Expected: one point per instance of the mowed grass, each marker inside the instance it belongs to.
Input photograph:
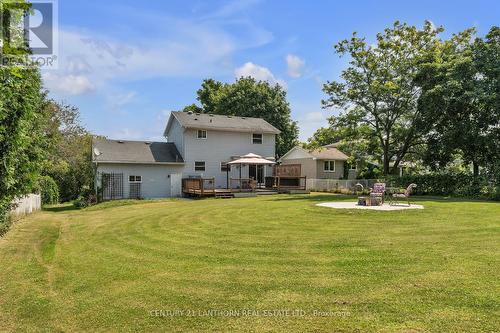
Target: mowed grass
(241, 264)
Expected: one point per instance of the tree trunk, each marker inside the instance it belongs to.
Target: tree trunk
(475, 169)
(386, 160)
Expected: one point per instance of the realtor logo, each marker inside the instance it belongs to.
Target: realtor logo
(29, 33)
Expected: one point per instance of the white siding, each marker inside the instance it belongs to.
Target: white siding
(219, 147)
(176, 135)
(296, 153)
(155, 178)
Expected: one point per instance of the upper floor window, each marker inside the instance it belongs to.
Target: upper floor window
(134, 179)
(257, 139)
(199, 166)
(202, 134)
(329, 166)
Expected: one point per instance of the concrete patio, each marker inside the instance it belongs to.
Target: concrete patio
(354, 205)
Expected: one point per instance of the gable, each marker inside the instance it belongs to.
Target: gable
(296, 153)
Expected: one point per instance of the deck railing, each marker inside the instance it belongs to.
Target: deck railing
(242, 184)
(290, 183)
(198, 186)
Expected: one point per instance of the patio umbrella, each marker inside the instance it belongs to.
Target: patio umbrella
(251, 159)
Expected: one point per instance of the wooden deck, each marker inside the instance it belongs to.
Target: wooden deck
(205, 187)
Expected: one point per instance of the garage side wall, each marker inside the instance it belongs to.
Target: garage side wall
(155, 178)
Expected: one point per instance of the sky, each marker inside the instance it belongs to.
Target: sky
(127, 64)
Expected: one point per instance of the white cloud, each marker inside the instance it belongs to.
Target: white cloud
(178, 48)
(127, 134)
(310, 121)
(259, 73)
(295, 65)
(119, 100)
(67, 84)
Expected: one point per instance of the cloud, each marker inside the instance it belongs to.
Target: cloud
(194, 47)
(259, 73)
(127, 134)
(116, 101)
(233, 7)
(295, 65)
(67, 84)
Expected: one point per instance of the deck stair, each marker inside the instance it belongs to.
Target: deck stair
(223, 194)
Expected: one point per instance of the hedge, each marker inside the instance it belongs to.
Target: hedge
(452, 184)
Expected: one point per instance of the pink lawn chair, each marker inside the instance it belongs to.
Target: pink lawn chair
(378, 191)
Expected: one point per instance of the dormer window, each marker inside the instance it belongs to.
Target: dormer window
(257, 139)
(202, 135)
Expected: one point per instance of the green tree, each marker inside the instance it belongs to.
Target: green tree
(68, 162)
(378, 94)
(250, 98)
(22, 121)
(460, 89)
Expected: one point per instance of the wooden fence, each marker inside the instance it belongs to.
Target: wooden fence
(27, 204)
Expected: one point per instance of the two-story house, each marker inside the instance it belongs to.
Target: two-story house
(198, 145)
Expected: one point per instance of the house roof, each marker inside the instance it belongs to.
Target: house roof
(137, 152)
(322, 153)
(328, 153)
(221, 122)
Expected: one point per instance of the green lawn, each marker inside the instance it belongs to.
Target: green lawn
(240, 264)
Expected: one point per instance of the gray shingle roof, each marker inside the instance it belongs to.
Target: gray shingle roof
(224, 123)
(328, 153)
(142, 152)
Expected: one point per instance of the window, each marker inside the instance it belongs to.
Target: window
(202, 134)
(329, 166)
(352, 166)
(134, 179)
(224, 167)
(199, 166)
(257, 139)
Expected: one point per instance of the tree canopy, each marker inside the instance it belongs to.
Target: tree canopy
(378, 94)
(22, 140)
(248, 97)
(460, 98)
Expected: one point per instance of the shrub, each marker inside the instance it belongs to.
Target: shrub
(456, 184)
(85, 199)
(48, 190)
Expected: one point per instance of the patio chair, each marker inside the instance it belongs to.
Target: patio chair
(405, 195)
(378, 191)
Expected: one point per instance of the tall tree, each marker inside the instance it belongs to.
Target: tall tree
(22, 120)
(250, 98)
(460, 98)
(68, 162)
(378, 93)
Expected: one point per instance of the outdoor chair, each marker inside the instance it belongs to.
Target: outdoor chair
(405, 195)
(378, 191)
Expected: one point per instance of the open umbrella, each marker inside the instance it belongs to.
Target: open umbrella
(251, 159)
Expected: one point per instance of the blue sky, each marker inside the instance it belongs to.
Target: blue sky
(127, 64)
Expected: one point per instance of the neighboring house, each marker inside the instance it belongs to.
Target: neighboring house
(198, 145)
(326, 162)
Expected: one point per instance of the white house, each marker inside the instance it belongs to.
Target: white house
(198, 145)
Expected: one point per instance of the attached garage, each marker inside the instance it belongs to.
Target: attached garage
(136, 169)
